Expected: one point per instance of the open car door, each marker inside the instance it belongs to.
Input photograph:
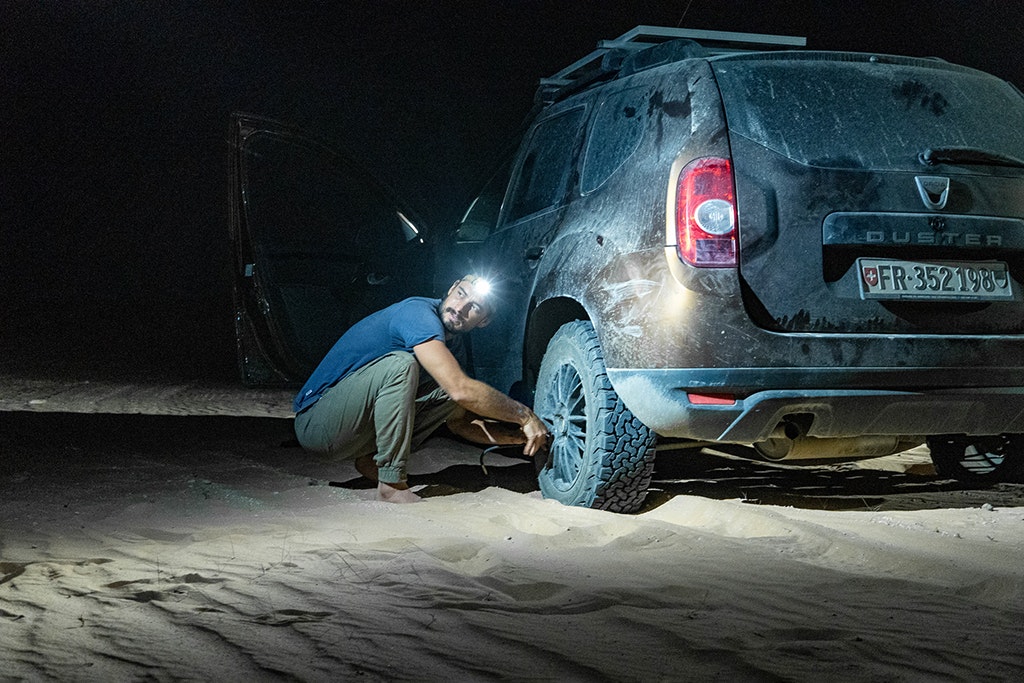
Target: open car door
(318, 245)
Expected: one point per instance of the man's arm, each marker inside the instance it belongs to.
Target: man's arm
(484, 430)
(478, 397)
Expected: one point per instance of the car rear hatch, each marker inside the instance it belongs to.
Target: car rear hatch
(876, 194)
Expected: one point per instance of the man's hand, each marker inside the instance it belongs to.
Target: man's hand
(537, 435)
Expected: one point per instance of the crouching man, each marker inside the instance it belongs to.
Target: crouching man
(395, 377)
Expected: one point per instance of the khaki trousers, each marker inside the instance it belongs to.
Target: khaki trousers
(378, 410)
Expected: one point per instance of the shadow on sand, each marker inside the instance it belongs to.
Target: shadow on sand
(72, 443)
(723, 476)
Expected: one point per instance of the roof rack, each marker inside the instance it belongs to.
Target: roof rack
(597, 65)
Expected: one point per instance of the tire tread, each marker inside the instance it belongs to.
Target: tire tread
(625, 445)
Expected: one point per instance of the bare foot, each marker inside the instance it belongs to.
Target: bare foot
(366, 467)
(396, 493)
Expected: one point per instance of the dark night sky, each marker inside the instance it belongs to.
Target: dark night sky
(114, 154)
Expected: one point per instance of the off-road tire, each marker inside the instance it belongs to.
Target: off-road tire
(601, 455)
(979, 459)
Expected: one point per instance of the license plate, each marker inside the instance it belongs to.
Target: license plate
(931, 280)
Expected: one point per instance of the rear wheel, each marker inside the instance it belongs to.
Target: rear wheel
(601, 456)
(979, 459)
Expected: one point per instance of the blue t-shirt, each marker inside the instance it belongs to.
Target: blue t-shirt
(398, 327)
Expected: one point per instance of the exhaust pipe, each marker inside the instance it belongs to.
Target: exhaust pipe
(789, 441)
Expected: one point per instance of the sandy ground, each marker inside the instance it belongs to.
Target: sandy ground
(207, 547)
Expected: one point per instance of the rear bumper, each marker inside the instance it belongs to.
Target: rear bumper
(659, 398)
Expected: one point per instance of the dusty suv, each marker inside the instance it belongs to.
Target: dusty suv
(816, 254)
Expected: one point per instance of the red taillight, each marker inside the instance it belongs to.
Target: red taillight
(706, 213)
(711, 399)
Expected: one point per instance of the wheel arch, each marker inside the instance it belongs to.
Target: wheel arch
(543, 322)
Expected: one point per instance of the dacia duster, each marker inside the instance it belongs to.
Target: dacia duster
(710, 238)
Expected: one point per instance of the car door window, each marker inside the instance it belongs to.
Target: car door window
(544, 172)
(482, 215)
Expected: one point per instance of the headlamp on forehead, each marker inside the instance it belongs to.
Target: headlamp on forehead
(480, 284)
(483, 287)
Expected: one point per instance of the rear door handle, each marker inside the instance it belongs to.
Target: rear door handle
(533, 253)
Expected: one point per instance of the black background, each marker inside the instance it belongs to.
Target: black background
(114, 250)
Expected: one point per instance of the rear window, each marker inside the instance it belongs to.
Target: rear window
(852, 112)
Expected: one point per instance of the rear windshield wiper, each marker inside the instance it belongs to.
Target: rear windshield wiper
(967, 156)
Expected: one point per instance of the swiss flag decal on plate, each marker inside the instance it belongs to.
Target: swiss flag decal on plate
(870, 274)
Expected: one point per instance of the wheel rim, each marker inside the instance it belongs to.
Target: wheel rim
(983, 457)
(569, 426)
(973, 458)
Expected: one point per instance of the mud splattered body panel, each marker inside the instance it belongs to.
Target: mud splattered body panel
(830, 159)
